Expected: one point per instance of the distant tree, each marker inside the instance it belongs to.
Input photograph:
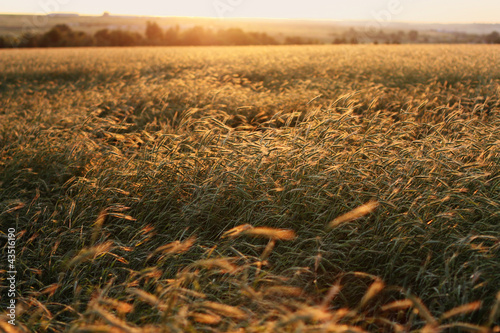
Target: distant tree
(394, 38)
(262, 38)
(493, 38)
(154, 34)
(236, 36)
(413, 35)
(125, 38)
(171, 36)
(352, 33)
(3, 42)
(339, 40)
(29, 39)
(102, 38)
(105, 37)
(80, 38)
(194, 36)
(210, 36)
(354, 40)
(295, 40)
(10, 41)
(57, 36)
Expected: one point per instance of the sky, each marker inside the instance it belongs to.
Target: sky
(438, 11)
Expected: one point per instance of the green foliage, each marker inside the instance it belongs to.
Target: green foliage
(195, 189)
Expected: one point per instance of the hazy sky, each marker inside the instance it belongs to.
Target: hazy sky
(384, 10)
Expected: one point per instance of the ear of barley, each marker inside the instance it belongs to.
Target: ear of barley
(315, 314)
(267, 251)
(236, 231)
(373, 290)
(423, 311)
(175, 247)
(332, 292)
(206, 318)
(114, 321)
(397, 305)
(355, 214)
(283, 291)
(225, 265)
(121, 307)
(98, 225)
(276, 234)
(145, 296)
(225, 310)
(466, 308)
(90, 253)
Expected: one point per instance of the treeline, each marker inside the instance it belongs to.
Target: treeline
(354, 36)
(63, 36)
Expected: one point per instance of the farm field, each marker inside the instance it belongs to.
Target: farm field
(252, 189)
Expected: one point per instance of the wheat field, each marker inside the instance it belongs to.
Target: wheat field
(253, 189)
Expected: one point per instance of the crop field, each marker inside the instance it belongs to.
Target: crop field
(252, 189)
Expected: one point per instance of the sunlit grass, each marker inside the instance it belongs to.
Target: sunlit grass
(259, 189)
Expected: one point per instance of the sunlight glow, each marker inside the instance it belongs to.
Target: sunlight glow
(444, 11)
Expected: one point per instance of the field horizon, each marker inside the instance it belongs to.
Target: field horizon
(325, 31)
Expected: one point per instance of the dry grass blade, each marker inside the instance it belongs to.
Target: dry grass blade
(122, 216)
(224, 264)
(464, 327)
(269, 248)
(236, 231)
(397, 305)
(8, 328)
(423, 311)
(97, 329)
(430, 328)
(466, 308)
(396, 327)
(315, 314)
(494, 310)
(225, 310)
(113, 321)
(336, 328)
(332, 293)
(98, 225)
(120, 307)
(283, 291)
(91, 253)
(355, 214)
(374, 289)
(50, 289)
(145, 296)
(191, 293)
(19, 206)
(175, 247)
(206, 318)
(271, 233)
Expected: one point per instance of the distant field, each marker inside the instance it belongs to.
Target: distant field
(322, 30)
(123, 169)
